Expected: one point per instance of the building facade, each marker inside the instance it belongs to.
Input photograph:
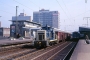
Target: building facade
(46, 17)
(23, 28)
(22, 16)
(22, 25)
(4, 32)
(85, 31)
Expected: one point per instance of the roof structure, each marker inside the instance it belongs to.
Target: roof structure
(84, 29)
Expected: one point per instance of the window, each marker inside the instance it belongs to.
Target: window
(0, 30)
(41, 36)
(14, 22)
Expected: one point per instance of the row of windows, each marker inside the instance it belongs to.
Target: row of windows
(42, 17)
(1, 30)
(43, 14)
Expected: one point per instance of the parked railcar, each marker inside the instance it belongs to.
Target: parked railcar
(75, 36)
(60, 36)
(68, 37)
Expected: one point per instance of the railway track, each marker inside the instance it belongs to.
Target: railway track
(18, 52)
(63, 53)
(49, 53)
(10, 52)
(9, 55)
(44, 54)
(13, 46)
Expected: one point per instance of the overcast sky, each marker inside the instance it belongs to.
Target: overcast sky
(72, 12)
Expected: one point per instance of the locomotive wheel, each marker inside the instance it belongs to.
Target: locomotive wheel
(50, 44)
(45, 46)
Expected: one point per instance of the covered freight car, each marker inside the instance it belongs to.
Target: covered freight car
(63, 36)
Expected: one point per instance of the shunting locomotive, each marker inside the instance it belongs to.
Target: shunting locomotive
(45, 37)
(48, 36)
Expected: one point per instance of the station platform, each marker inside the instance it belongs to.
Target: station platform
(82, 51)
(17, 41)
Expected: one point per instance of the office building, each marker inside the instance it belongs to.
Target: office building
(46, 17)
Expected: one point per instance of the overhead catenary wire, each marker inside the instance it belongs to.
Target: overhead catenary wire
(81, 14)
(7, 5)
(62, 8)
(6, 11)
(23, 5)
(64, 12)
(35, 4)
(76, 15)
(66, 8)
(10, 6)
(86, 14)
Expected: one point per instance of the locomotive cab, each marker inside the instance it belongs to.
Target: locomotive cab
(40, 41)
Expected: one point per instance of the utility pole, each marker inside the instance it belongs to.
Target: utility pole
(87, 18)
(16, 21)
(85, 1)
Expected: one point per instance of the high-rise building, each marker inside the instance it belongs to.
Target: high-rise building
(46, 17)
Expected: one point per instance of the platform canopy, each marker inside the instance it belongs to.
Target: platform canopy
(84, 29)
(33, 28)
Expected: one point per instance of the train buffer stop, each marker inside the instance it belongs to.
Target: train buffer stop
(82, 51)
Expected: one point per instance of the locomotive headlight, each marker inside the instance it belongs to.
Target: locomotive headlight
(39, 42)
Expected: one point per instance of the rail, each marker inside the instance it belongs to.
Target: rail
(68, 55)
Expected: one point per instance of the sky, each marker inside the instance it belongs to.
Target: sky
(73, 13)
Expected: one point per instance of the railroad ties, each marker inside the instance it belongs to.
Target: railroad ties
(57, 51)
